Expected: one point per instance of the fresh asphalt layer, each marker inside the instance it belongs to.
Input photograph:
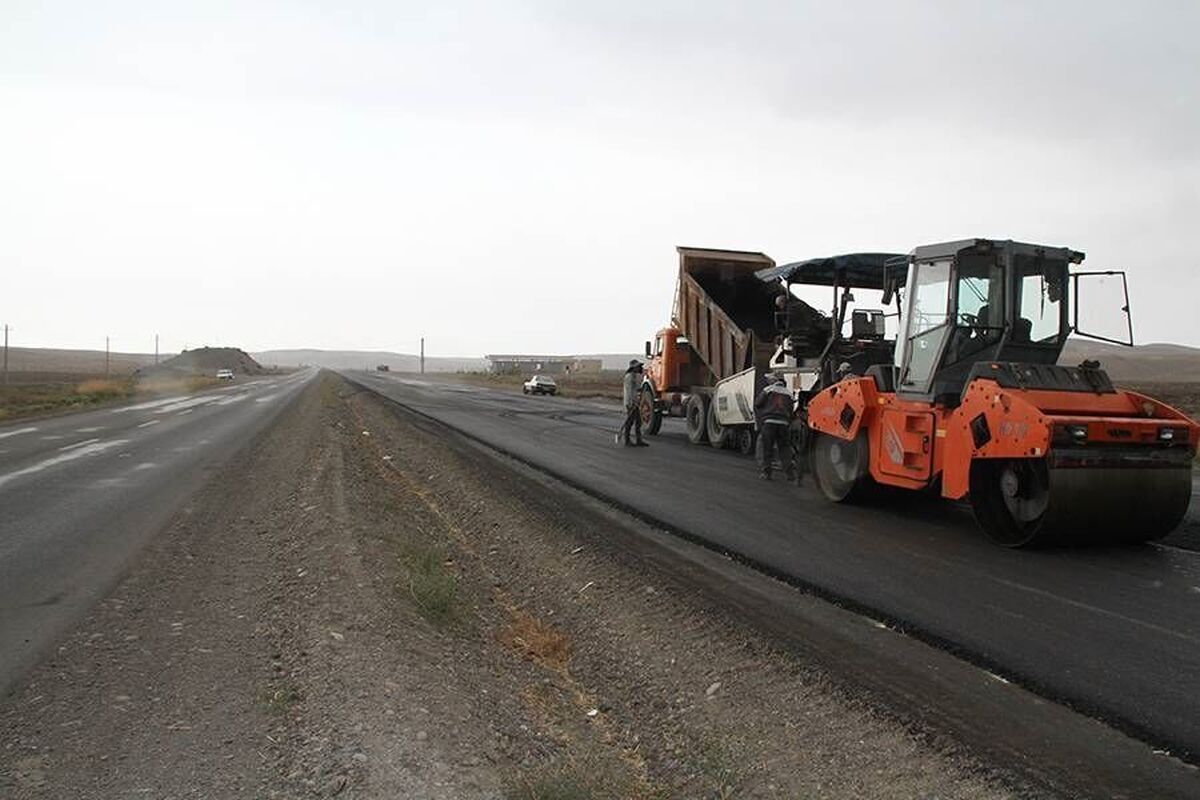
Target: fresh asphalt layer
(1113, 632)
(80, 495)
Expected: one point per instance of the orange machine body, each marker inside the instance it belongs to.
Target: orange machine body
(915, 443)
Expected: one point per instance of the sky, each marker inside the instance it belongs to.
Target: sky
(514, 176)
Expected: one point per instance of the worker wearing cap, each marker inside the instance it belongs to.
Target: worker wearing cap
(773, 407)
(630, 387)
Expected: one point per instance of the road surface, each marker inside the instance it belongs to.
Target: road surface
(81, 494)
(1113, 632)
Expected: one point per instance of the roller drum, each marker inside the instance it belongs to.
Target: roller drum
(1027, 503)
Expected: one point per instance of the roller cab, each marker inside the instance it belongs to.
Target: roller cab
(975, 407)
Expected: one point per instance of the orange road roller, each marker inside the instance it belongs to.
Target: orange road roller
(973, 404)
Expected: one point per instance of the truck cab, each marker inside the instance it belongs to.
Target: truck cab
(671, 370)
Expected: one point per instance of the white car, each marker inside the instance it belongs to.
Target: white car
(224, 374)
(540, 384)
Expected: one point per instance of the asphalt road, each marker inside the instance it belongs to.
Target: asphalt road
(81, 494)
(1113, 632)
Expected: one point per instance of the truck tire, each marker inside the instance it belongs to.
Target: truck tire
(747, 438)
(718, 435)
(800, 437)
(695, 417)
(651, 413)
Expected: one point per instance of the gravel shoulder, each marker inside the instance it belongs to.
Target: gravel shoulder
(355, 608)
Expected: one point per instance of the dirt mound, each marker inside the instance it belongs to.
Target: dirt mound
(207, 360)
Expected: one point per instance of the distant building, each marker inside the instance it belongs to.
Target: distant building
(545, 365)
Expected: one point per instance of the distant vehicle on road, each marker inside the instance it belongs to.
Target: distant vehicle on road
(383, 368)
(540, 384)
(224, 374)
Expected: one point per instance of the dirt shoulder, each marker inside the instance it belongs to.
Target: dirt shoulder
(356, 608)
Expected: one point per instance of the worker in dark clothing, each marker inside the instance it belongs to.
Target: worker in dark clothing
(773, 408)
(630, 387)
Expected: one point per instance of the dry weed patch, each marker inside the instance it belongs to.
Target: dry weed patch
(537, 640)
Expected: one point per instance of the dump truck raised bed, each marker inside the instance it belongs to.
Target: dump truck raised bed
(735, 319)
(723, 328)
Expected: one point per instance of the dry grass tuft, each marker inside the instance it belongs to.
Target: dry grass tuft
(52, 397)
(537, 640)
(101, 387)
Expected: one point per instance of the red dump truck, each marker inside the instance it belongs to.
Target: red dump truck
(707, 365)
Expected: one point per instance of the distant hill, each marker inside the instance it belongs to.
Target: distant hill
(404, 362)
(1147, 362)
(368, 359)
(74, 362)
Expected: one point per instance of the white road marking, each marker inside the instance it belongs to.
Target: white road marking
(88, 430)
(182, 404)
(265, 399)
(145, 465)
(17, 432)
(77, 444)
(185, 411)
(233, 398)
(54, 437)
(151, 422)
(71, 455)
(151, 404)
(110, 483)
(1096, 609)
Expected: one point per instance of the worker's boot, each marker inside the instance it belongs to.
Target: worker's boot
(765, 474)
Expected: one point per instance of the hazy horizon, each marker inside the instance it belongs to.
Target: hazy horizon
(515, 176)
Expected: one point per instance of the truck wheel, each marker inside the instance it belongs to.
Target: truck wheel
(800, 437)
(651, 413)
(746, 440)
(696, 419)
(718, 435)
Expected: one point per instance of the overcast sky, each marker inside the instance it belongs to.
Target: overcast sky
(514, 176)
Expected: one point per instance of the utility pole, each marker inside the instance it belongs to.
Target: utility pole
(422, 355)
(6, 354)
(106, 356)
(156, 348)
